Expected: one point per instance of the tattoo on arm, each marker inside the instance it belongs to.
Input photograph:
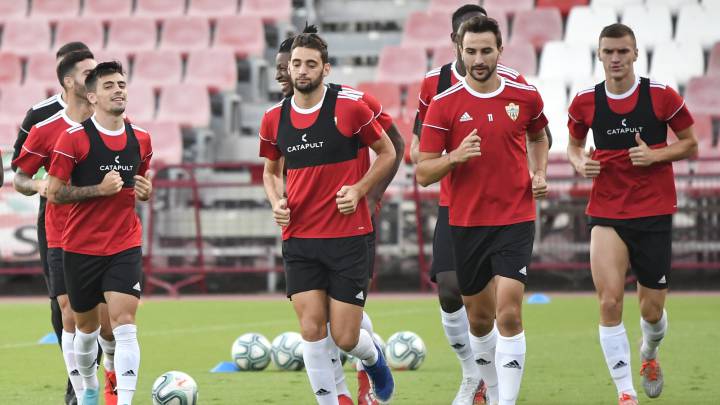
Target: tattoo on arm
(24, 183)
(68, 194)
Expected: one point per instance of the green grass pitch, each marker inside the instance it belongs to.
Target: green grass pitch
(564, 362)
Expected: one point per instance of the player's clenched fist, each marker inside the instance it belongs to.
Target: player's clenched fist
(111, 184)
(539, 186)
(469, 148)
(588, 168)
(281, 212)
(143, 187)
(347, 199)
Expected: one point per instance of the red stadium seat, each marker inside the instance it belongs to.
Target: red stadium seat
(53, 10)
(521, 57)
(443, 54)
(243, 34)
(212, 8)
(412, 97)
(185, 34)
(131, 34)
(401, 65)
(41, 71)
(703, 95)
(15, 99)
(141, 103)
(106, 9)
(508, 6)
(8, 134)
(215, 68)
(426, 30)
(270, 11)
(563, 6)
(702, 127)
(26, 36)
(537, 27)
(445, 6)
(12, 9)
(706, 149)
(10, 69)
(713, 68)
(388, 94)
(167, 141)
(187, 104)
(159, 8)
(157, 68)
(87, 30)
(405, 127)
(108, 55)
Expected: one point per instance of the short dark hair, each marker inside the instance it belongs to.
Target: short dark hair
(457, 16)
(312, 41)
(101, 70)
(286, 45)
(68, 62)
(480, 24)
(617, 30)
(70, 47)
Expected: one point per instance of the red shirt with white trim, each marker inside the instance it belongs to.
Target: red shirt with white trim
(36, 152)
(492, 189)
(428, 90)
(617, 172)
(116, 227)
(312, 190)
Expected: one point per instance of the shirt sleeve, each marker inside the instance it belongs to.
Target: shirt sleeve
(576, 121)
(521, 79)
(538, 120)
(146, 153)
(382, 117)
(370, 133)
(674, 110)
(268, 139)
(33, 154)
(435, 130)
(64, 157)
(424, 98)
(25, 127)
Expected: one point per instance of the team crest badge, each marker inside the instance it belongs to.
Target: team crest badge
(513, 111)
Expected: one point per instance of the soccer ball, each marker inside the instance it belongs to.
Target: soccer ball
(405, 351)
(251, 352)
(174, 388)
(287, 351)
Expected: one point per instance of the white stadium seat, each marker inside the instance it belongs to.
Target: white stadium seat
(698, 24)
(673, 5)
(560, 60)
(652, 24)
(677, 60)
(584, 25)
(614, 4)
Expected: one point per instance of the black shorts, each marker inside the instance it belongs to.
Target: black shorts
(57, 274)
(43, 248)
(336, 265)
(371, 248)
(483, 252)
(88, 277)
(649, 244)
(443, 254)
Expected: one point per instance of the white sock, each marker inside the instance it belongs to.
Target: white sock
(616, 349)
(108, 348)
(484, 353)
(366, 323)
(320, 371)
(127, 362)
(653, 334)
(456, 328)
(341, 387)
(365, 349)
(510, 364)
(68, 351)
(86, 351)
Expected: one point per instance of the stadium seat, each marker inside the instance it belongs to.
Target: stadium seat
(585, 23)
(15, 99)
(8, 134)
(352, 75)
(652, 24)
(665, 61)
(157, 68)
(580, 84)
(388, 94)
(401, 65)
(713, 68)
(141, 103)
(215, 68)
(445, 6)
(243, 34)
(706, 149)
(564, 6)
(614, 4)
(167, 141)
(40, 70)
(187, 104)
(87, 30)
(52, 10)
(131, 34)
(711, 5)
(12, 9)
(641, 65)
(673, 5)
(412, 97)
(520, 56)
(212, 8)
(24, 37)
(105, 55)
(695, 24)
(106, 9)
(10, 69)
(405, 125)
(442, 54)
(185, 34)
(509, 7)
(270, 11)
(159, 8)
(703, 95)
(537, 27)
(502, 18)
(554, 61)
(703, 127)
(426, 30)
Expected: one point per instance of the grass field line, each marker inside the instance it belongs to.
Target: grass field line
(224, 327)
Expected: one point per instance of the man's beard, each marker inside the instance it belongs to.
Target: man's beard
(116, 111)
(484, 77)
(307, 88)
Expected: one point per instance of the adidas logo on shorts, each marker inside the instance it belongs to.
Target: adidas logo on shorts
(136, 287)
(662, 280)
(360, 296)
(523, 271)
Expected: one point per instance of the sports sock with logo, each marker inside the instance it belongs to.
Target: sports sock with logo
(365, 349)
(483, 348)
(653, 334)
(127, 362)
(86, 349)
(616, 349)
(510, 364)
(456, 329)
(108, 348)
(319, 370)
(68, 351)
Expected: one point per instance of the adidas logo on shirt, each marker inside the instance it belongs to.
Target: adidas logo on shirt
(513, 364)
(465, 117)
(662, 280)
(619, 364)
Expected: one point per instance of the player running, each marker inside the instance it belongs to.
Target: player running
(490, 127)
(632, 199)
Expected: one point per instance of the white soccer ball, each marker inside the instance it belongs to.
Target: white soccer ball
(287, 351)
(251, 352)
(405, 351)
(174, 388)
